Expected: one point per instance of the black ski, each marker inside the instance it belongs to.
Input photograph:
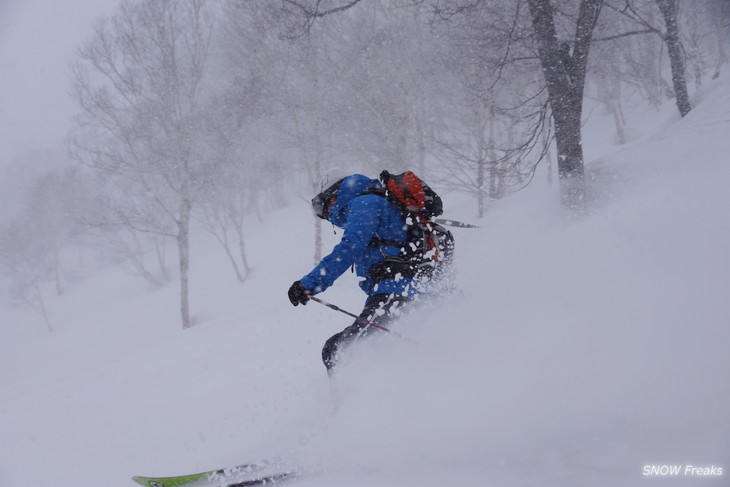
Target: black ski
(274, 479)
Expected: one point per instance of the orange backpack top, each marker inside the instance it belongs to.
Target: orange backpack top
(430, 245)
(414, 194)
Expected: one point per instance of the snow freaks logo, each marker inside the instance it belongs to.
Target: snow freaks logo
(681, 471)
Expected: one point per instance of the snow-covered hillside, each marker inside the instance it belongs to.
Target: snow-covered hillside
(579, 351)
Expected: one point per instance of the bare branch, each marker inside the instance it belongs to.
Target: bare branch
(626, 34)
(316, 12)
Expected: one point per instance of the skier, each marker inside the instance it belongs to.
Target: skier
(374, 230)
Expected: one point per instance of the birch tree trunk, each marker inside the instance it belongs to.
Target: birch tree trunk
(183, 246)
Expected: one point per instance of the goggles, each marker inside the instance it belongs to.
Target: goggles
(323, 202)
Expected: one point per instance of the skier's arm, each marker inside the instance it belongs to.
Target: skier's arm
(362, 222)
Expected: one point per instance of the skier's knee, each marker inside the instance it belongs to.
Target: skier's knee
(329, 352)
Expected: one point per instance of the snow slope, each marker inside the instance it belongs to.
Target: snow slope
(579, 351)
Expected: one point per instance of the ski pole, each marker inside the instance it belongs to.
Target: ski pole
(361, 319)
(453, 223)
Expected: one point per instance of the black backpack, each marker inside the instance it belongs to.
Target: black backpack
(429, 251)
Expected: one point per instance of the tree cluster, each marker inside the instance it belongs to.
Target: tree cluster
(209, 113)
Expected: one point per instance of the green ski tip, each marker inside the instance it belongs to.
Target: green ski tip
(186, 480)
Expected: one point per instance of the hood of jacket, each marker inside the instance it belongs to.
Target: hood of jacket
(351, 187)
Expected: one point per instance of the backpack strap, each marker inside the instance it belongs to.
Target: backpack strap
(380, 242)
(413, 232)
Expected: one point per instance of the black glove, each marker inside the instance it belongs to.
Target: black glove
(297, 294)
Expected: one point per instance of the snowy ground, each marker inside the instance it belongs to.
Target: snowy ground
(580, 351)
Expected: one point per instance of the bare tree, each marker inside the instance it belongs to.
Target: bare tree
(387, 101)
(32, 242)
(223, 210)
(719, 18)
(305, 12)
(371, 91)
(639, 12)
(531, 67)
(139, 83)
(564, 68)
(670, 9)
(128, 230)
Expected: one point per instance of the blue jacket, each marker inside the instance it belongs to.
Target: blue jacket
(362, 216)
